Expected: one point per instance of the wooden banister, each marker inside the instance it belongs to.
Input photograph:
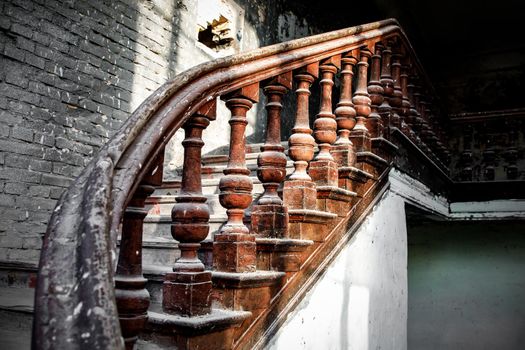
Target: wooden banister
(75, 299)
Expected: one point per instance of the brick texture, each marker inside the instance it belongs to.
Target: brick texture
(70, 73)
(67, 72)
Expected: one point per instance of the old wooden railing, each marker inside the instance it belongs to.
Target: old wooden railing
(79, 297)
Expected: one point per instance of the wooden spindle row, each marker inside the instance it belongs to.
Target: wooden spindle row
(388, 98)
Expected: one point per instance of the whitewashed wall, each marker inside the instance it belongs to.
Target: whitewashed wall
(361, 301)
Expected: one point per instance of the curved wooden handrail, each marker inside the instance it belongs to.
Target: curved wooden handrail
(75, 302)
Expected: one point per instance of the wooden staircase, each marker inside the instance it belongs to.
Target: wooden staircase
(280, 261)
(217, 259)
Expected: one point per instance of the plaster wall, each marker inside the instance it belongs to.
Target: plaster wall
(466, 285)
(361, 300)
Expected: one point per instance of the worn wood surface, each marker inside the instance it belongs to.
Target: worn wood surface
(75, 304)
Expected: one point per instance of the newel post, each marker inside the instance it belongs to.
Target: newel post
(186, 290)
(323, 169)
(360, 136)
(270, 216)
(299, 190)
(132, 296)
(234, 247)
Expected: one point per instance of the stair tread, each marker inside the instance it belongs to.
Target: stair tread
(17, 299)
(251, 166)
(170, 198)
(167, 218)
(155, 270)
(215, 318)
(19, 339)
(161, 242)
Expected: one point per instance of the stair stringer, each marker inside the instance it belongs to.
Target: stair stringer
(360, 301)
(298, 284)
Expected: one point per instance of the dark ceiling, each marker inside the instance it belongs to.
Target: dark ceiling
(474, 51)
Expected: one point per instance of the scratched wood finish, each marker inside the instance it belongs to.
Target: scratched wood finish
(186, 290)
(234, 247)
(88, 218)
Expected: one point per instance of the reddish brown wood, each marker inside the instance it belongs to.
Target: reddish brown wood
(405, 103)
(323, 169)
(272, 160)
(299, 190)
(343, 149)
(301, 143)
(130, 285)
(109, 183)
(270, 216)
(417, 120)
(376, 91)
(256, 336)
(325, 126)
(186, 290)
(413, 114)
(234, 247)
(360, 136)
(396, 98)
(385, 109)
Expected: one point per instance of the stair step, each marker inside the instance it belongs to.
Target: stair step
(209, 186)
(15, 339)
(162, 204)
(17, 299)
(159, 251)
(159, 247)
(216, 170)
(252, 151)
(159, 226)
(222, 159)
(16, 317)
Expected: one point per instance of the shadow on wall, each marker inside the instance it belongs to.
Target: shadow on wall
(258, 23)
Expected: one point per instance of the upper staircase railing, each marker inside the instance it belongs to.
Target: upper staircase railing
(79, 297)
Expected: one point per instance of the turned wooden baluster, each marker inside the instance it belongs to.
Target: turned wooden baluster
(325, 126)
(418, 120)
(234, 247)
(270, 216)
(323, 169)
(186, 290)
(413, 113)
(385, 109)
(299, 190)
(360, 136)
(432, 138)
(272, 161)
(301, 142)
(405, 103)
(130, 285)
(376, 91)
(396, 100)
(424, 131)
(343, 149)
(414, 117)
